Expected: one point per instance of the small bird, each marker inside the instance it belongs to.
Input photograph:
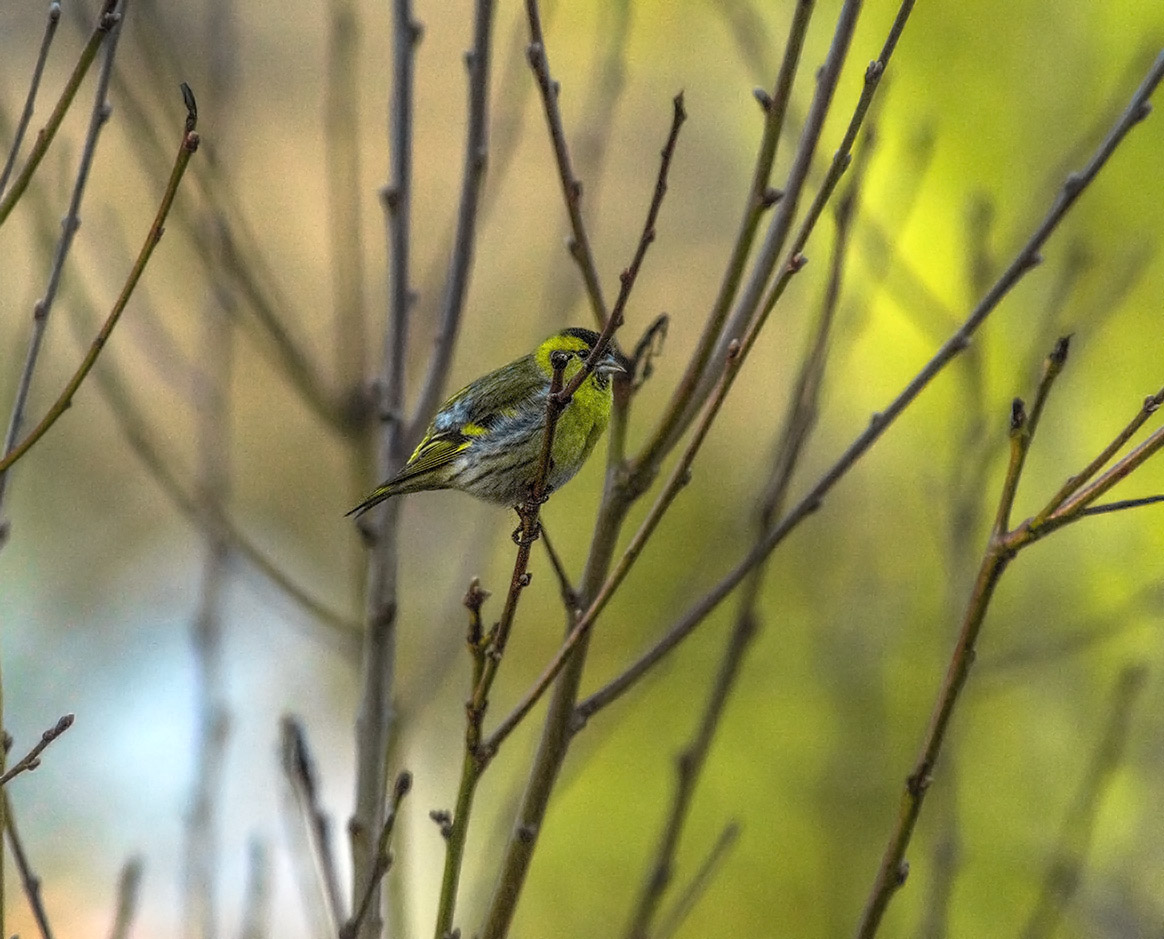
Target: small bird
(487, 439)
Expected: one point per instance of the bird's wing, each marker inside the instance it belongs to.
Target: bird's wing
(472, 412)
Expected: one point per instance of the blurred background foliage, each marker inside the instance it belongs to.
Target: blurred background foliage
(987, 106)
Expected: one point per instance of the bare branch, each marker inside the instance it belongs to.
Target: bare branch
(341, 135)
(128, 892)
(478, 61)
(300, 772)
(185, 151)
(29, 880)
(487, 651)
(32, 759)
(107, 20)
(760, 198)
(375, 716)
(580, 248)
(1027, 257)
(72, 221)
(50, 30)
(383, 856)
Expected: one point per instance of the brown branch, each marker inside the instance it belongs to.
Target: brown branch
(107, 19)
(760, 198)
(596, 124)
(559, 400)
(98, 115)
(31, 760)
(374, 719)
(893, 870)
(50, 30)
(344, 191)
(186, 149)
(29, 879)
(487, 651)
(798, 423)
(300, 772)
(1027, 257)
(571, 186)
(383, 857)
(478, 61)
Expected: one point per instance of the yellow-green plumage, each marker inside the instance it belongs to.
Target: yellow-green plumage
(486, 440)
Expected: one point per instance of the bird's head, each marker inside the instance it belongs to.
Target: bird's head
(577, 343)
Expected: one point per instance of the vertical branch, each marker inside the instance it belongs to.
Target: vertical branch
(592, 138)
(487, 651)
(128, 890)
(212, 394)
(374, 721)
(29, 879)
(579, 243)
(798, 424)
(478, 61)
(341, 132)
(72, 221)
(761, 196)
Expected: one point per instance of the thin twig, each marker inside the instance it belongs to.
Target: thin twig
(694, 891)
(299, 770)
(71, 222)
(798, 423)
(761, 197)
(50, 30)
(579, 245)
(233, 253)
(383, 856)
(375, 717)
(29, 880)
(32, 759)
(128, 893)
(569, 595)
(107, 19)
(487, 651)
(202, 850)
(893, 870)
(597, 122)
(186, 149)
(626, 284)
(345, 195)
(478, 61)
(1027, 257)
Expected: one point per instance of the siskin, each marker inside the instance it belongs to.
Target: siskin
(487, 439)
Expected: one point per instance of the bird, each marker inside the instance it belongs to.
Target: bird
(487, 438)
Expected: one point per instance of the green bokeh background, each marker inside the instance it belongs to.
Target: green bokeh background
(985, 103)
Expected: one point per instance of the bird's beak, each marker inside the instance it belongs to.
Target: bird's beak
(610, 365)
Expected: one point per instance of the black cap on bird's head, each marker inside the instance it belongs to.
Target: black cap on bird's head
(613, 362)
